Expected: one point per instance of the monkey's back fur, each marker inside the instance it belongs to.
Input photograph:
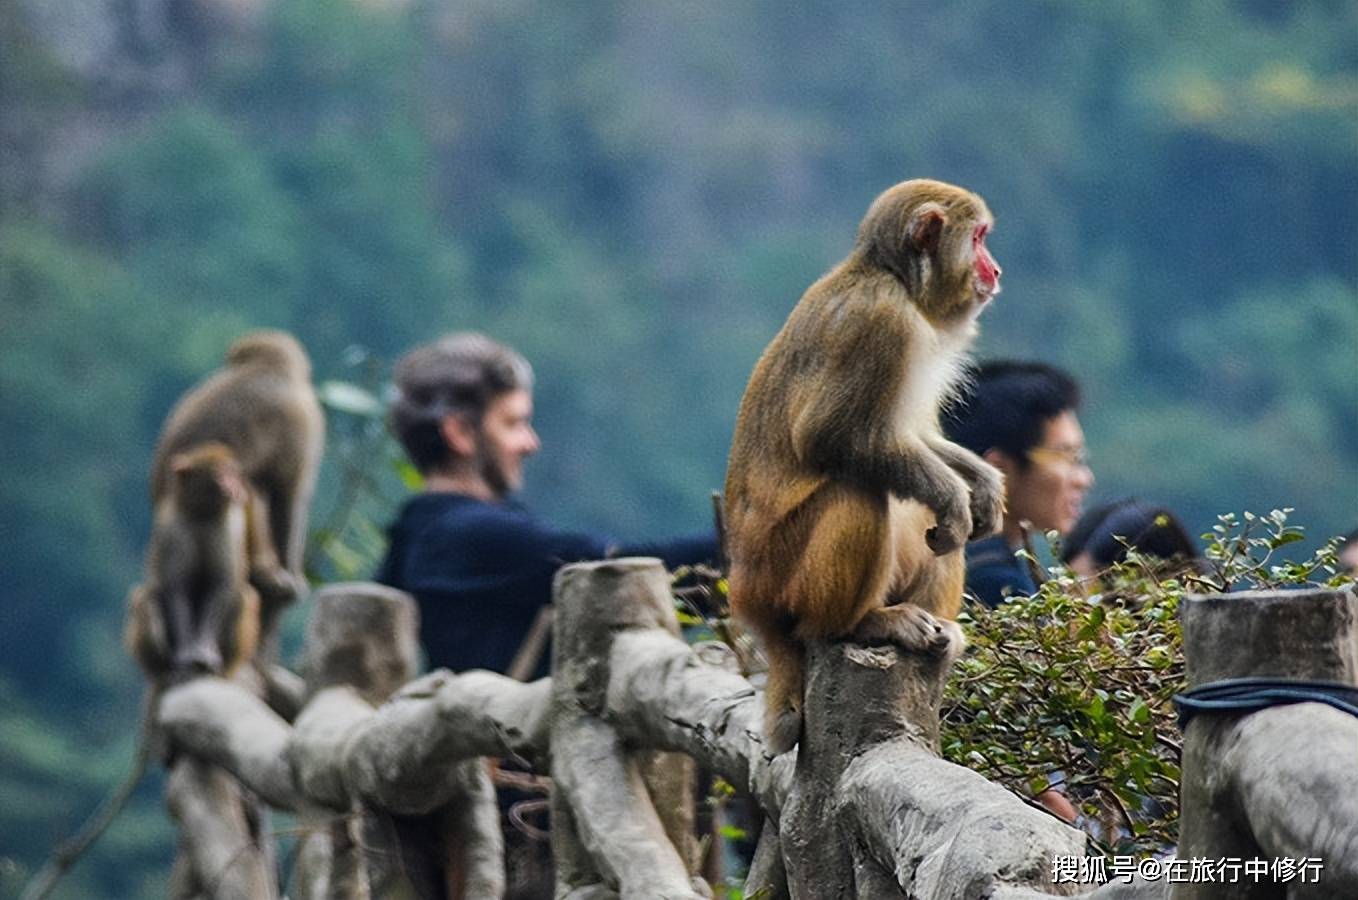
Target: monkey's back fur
(261, 405)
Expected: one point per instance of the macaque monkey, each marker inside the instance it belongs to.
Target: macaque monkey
(197, 612)
(262, 406)
(846, 509)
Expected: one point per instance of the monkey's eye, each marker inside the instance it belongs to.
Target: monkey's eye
(979, 234)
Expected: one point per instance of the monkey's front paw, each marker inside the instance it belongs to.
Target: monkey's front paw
(952, 525)
(907, 626)
(277, 586)
(987, 503)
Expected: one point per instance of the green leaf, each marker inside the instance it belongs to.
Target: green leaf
(346, 397)
(1095, 708)
(1140, 712)
(410, 476)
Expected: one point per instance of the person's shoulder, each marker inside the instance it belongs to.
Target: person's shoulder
(500, 529)
(463, 515)
(993, 572)
(989, 553)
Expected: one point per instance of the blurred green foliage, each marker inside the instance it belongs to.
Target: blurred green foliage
(634, 195)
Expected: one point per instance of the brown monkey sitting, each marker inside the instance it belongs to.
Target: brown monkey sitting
(842, 496)
(262, 406)
(196, 612)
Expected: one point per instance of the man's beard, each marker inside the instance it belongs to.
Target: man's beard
(491, 470)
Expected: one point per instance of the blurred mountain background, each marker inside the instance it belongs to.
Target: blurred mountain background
(634, 194)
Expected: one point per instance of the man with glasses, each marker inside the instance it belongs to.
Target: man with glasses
(1020, 417)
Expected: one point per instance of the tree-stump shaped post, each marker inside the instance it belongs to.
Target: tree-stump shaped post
(362, 646)
(360, 637)
(1281, 782)
(875, 813)
(620, 818)
(856, 697)
(222, 852)
(225, 849)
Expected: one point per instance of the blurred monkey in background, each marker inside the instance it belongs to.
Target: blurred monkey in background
(196, 612)
(263, 408)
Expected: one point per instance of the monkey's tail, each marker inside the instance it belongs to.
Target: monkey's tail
(783, 690)
(66, 854)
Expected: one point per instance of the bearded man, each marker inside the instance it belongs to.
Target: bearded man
(479, 564)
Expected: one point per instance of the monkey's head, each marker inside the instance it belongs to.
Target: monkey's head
(270, 349)
(931, 236)
(207, 480)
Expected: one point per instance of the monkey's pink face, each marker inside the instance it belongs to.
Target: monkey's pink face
(987, 270)
(220, 479)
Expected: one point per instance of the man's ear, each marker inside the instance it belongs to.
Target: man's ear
(459, 434)
(1002, 461)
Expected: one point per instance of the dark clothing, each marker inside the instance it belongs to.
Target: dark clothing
(481, 571)
(993, 572)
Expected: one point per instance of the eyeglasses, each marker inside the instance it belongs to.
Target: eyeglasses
(1075, 457)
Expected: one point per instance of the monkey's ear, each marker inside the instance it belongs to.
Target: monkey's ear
(926, 227)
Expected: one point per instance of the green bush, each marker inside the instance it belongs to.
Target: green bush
(1078, 679)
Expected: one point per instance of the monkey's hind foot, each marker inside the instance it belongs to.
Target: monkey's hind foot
(782, 729)
(783, 691)
(198, 659)
(912, 628)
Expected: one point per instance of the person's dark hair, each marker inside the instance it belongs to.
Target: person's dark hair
(456, 375)
(1083, 529)
(1007, 406)
(1106, 532)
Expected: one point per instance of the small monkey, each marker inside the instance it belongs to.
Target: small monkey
(843, 499)
(261, 406)
(197, 612)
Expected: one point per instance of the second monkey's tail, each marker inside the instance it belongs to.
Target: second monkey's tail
(783, 690)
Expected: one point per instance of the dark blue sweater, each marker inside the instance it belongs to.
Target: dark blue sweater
(994, 573)
(481, 571)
